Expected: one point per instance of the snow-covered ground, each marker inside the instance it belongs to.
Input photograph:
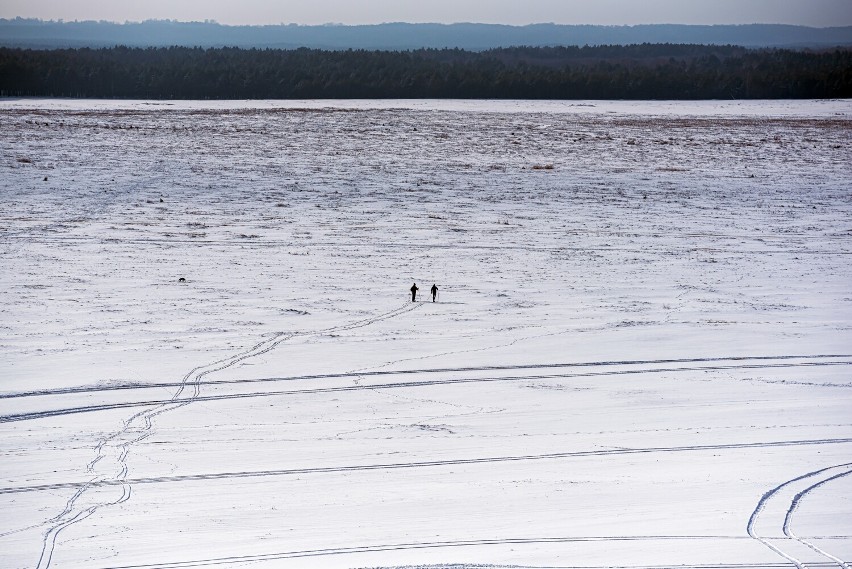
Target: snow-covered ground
(640, 354)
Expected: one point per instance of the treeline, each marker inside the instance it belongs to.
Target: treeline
(647, 71)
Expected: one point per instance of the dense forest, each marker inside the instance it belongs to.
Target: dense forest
(647, 71)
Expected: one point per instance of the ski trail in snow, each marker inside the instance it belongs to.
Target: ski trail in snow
(396, 385)
(413, 546)
(360, 373)
(795, 504)
(780, 494)
(139, 426)
(432, 464)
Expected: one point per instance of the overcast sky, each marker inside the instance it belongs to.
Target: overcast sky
(819, 13)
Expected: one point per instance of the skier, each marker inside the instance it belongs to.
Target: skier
(414, 290)
(434, 292)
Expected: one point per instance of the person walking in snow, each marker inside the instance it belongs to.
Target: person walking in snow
(434, 292)
(414, 290)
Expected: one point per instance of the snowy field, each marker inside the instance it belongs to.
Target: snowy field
(640, 354)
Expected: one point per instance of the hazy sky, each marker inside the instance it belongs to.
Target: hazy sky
(819, 13)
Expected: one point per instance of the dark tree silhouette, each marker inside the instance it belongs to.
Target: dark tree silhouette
(646, 71)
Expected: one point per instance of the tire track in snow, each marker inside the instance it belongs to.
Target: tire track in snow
(795, 504)
(822, 476)
(72, 514)
(424, 464)
(131, 386)
(259, 558)
(395, 385)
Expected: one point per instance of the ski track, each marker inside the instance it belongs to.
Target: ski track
(472, 543)
(822, 476)
(396, 385)
(426, 464)
(72, 515)
(360, 373)
(795, 504)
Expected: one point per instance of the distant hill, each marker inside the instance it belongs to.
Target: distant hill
(39, 34)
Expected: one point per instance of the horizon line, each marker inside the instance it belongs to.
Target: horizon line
(386, 23)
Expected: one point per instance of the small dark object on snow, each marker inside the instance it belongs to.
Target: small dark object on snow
(161, 200)
(181, 280)
(414, 290)
(434, 292)
(45, 178)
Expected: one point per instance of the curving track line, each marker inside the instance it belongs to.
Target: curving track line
(795, 504)
(139, 426)
(822, 476)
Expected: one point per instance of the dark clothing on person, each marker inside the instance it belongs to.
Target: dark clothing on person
(414, 290)
(434, 292)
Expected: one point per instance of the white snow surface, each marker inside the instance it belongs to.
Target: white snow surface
(639, 355)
